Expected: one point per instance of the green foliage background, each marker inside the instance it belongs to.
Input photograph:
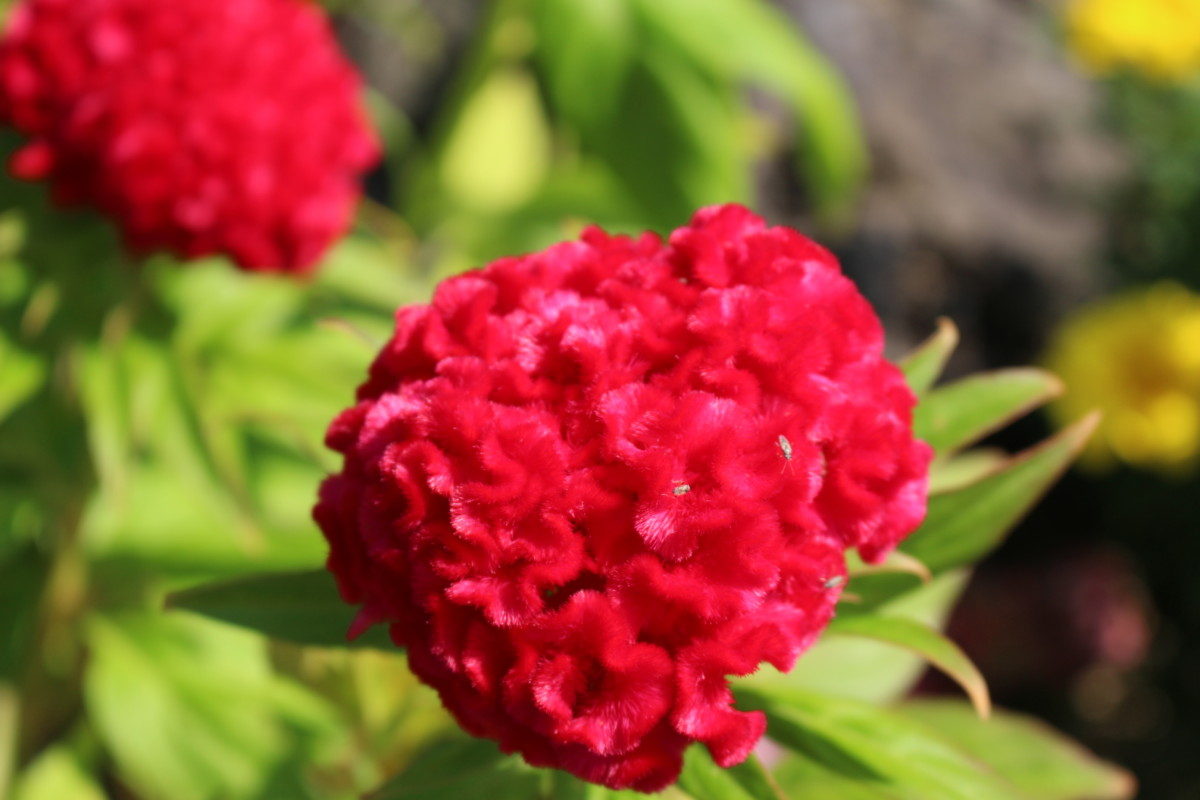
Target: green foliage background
(161, 427)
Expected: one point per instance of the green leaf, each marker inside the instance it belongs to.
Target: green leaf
(300, 607)
(563, 786)
(770, 51)
(499, 151)
(963, 526)
(957, 415)
(924, 366)
(464, 769)
(896, 562)
(925, 642)
(102, 392)
(806, 778)
(23, 574)
(10, 718)
(57, 775)
(865, 669)
(1039, 761)
(21, 374)
(874, 746)
(191, 711)
(586, 49)
(704, 780)
(674, 154)
(960, 471)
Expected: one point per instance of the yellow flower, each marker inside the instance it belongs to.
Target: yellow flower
(1160, 38)
(1135, 357)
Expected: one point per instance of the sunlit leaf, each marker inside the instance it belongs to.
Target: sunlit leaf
(499, 150)
(960, 471)
(804, 777)
(190, 711)
(874, 746)
(963, 412)
(896, 561)
(965, 525)
(862, 668)
(702, 779)
(10, 718)
(924, 365)
(57, 775)
(1039, 761)
(925, 642)
(21, 374)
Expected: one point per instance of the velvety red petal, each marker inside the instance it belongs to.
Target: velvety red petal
(587, 486)
(179, 120)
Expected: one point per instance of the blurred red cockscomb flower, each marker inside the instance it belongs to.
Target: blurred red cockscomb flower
(199, 126)
(587, 485)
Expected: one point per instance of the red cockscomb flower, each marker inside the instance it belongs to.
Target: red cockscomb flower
(587, 485)
(199, 126)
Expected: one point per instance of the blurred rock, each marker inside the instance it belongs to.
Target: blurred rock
(989, 165)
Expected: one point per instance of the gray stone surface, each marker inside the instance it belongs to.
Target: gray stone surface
(989, 163)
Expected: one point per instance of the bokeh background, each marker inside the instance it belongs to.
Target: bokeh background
(1029, 169)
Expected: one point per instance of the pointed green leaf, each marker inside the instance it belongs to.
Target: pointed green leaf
(1038, 760)
(954, 416)
(896, 562)
(865, 669)
(924, 366)
(704, 780)
(300, 607)
(874, 746)
(925, 642)
(963, 526)
(960, 471)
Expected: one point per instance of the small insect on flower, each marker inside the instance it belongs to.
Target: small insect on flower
(682, 489)
(786, 447)
(834, 582)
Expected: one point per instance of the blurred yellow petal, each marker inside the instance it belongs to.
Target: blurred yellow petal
(1135, 357)
(1160, 38)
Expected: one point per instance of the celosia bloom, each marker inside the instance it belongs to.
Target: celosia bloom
(199, 126)
(1160, 38)
(1136, 358)
(587, 485)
